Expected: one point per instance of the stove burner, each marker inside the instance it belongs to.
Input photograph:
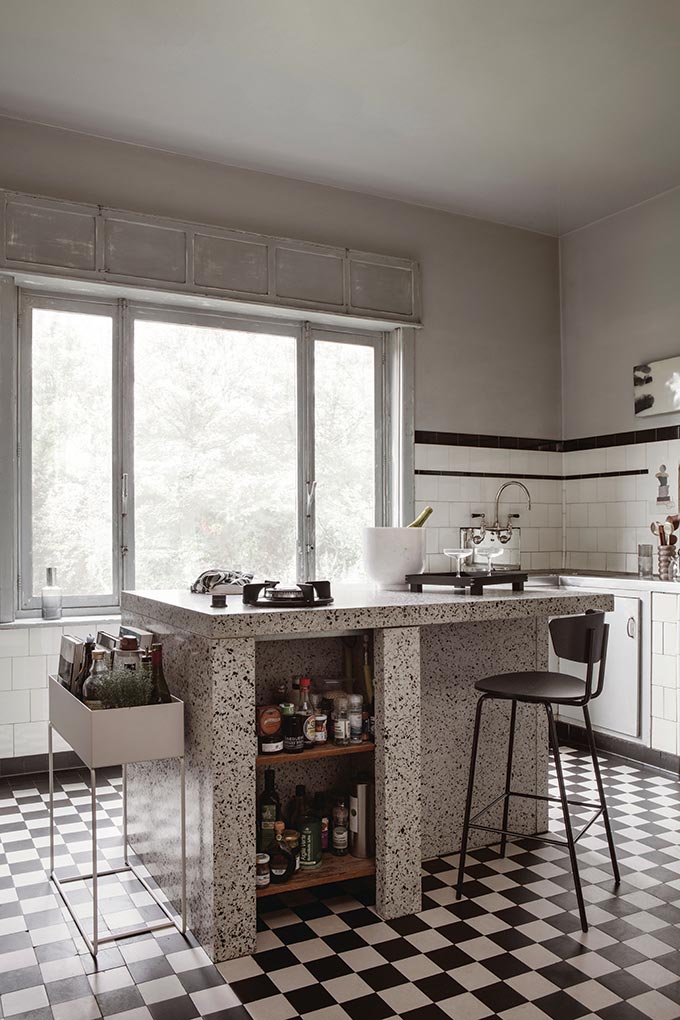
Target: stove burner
(303, 595)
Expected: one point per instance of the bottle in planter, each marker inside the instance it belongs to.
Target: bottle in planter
(91, 689)
(160, 693)
(84, 671)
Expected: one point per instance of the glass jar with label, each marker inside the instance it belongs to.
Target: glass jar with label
(320, 728)
(340, 835)
(262, 876)
(356, 704)
(341, 723)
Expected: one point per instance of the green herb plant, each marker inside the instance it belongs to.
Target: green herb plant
(125, 688)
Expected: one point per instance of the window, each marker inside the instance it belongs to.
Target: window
(155, 444)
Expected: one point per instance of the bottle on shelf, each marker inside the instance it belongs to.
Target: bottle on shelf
(161, 694)
(356, 705)
(279, 692)
(281, 857)
(297, 808)
(51, 596)
(91, 689)
(323, 810)
(293, 729)
(341, 723)
(340, 833)
(306, 712)
(268, 810)
(84, 671)
(310, 840)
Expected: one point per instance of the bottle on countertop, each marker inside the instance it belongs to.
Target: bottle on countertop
(306, 712)
(51, 596)
(161, 694)
(91, 690)
(84, 671)
(268, 810)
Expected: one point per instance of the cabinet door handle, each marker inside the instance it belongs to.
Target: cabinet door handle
(630, 627)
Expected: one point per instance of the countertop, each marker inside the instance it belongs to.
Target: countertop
(357, 607)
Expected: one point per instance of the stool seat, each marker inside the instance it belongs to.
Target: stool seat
(539, 687)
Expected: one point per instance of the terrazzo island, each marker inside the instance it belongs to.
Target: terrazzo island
(428, 651)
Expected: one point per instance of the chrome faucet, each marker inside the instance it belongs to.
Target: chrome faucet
(498, 499)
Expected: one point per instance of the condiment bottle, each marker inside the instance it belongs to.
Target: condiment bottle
(341, 723)
(306, 711)
(269, 810)
(293, 729)
(262, 876)
(356, 702)
(281, 858)
(310, 841)
(91, 689)
(340, 836)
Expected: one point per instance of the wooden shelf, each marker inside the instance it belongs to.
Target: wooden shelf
(332, 869)
(323, 751)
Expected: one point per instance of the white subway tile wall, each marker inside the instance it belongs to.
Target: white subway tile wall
(27, 656)
(454, 499)
(578, 523)
(665, 680)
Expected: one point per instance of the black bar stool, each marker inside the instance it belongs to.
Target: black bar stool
(578, 639)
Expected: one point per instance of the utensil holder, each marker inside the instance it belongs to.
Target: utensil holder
(666, 558)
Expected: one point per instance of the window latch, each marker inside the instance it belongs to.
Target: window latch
(124, 494)
(311, 492)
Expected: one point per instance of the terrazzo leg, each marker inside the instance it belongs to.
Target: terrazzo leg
(542, 756)
(234, 752)
(397, 771)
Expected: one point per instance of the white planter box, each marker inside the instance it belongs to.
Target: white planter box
(117, 736)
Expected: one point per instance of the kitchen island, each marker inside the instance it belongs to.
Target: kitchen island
(429, 649)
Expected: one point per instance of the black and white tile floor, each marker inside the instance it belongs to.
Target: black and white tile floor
(512, 948)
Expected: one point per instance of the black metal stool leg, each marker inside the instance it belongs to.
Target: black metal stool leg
(567, 821)
(468, 799)
(508, 776)
(603, 802)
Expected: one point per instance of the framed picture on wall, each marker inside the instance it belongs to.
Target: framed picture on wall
(657, 387)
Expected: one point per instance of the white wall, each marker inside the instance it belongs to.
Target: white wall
(620, 307)
(488, 359)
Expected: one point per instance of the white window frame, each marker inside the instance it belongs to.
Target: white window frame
(393, 351)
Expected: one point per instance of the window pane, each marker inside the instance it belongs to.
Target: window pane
(71, 450)
(345, 456)
(215, 453)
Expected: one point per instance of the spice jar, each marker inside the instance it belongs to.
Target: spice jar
(262, 876)
(320, 728)
(356, 703)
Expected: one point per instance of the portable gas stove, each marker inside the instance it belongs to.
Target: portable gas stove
(304, 595)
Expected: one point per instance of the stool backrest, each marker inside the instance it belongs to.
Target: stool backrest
(583, 639)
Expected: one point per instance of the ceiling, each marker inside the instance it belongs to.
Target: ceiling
(545, 114)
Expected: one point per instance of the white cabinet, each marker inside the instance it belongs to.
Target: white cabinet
(619, 709)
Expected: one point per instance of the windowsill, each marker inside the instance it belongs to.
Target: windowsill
(64, 621)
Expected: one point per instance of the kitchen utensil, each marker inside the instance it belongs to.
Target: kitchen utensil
(662, 531)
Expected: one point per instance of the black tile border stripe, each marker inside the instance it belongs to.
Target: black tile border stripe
(548, 445)
(550, 478)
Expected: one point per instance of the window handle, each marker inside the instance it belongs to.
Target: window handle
(630, 627)
(124, 494)
(311, 493)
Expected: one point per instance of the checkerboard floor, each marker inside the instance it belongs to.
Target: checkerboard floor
(511, 948)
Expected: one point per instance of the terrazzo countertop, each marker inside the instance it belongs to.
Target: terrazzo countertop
(358, 607)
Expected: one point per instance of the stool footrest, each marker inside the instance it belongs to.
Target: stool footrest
(597, 808)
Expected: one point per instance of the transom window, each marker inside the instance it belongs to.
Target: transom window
(155, 444)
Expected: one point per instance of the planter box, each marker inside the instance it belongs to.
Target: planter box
(117, 736)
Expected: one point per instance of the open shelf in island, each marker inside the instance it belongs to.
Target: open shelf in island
(331, 869)
(323, 751)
